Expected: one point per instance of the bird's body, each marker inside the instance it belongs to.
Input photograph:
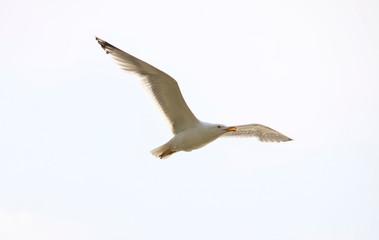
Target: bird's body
(189, 132)
(192, 138)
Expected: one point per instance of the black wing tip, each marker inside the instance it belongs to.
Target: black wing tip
(287, 139)
(105, 45)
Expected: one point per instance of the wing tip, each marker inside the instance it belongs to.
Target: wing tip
(103, 44)
(286, 139)
(277, 140)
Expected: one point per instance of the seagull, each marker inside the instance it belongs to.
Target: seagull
(189, 132)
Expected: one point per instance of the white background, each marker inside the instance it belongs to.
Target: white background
(76, 131)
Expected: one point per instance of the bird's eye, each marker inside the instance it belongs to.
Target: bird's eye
(219, 126)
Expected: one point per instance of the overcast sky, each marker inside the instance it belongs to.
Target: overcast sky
(76, 131)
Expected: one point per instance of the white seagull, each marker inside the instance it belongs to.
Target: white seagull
(189, 132)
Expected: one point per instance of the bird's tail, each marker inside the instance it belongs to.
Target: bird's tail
(163, 151)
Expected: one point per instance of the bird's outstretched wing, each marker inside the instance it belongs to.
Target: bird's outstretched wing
(163, 88)
(265, 134)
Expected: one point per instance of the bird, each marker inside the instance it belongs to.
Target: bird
(189, 132)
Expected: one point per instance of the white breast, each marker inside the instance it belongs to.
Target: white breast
(192, 138)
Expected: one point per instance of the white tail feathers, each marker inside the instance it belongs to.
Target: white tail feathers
(158, 151)
(163, 151)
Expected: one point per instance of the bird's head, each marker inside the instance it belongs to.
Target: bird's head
(214, 131)
(223, 129)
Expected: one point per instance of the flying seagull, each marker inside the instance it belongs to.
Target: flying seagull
(189, 132)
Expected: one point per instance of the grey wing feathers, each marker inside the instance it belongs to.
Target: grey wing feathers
(164, 88)
(263, 133)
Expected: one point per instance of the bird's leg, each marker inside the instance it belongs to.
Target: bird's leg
(166, 153)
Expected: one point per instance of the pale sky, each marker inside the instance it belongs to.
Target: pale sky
(76, 131)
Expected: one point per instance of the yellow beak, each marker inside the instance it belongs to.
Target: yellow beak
(231, 129)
